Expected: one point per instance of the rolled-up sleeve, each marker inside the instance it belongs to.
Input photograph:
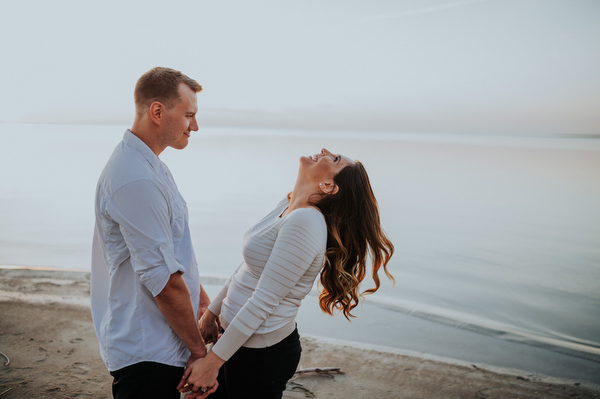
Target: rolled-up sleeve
(142, 211)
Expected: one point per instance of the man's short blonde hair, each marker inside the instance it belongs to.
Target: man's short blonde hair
(160, 84)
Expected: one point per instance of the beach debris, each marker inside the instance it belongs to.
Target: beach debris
(295, 387)
(3, 394)
(481, 394)
(7, 361)
(321, 370)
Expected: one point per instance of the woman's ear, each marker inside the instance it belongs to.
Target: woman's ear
(328, 188)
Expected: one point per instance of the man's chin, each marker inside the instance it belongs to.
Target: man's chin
(180, 145)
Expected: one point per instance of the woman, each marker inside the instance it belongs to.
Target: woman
(329, 224)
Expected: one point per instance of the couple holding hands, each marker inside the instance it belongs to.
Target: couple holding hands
(151, 315)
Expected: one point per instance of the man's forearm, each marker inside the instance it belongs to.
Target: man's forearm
(175, 305)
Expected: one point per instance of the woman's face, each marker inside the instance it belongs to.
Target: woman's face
(324, 166)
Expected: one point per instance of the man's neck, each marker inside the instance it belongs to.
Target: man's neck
(148, 137)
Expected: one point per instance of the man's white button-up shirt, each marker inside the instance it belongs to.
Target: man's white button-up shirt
(141, 237)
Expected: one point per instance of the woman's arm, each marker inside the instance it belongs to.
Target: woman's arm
(208, 320)
(301, 238)
(215, 305)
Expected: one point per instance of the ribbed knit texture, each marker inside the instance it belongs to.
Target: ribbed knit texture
(282, 258)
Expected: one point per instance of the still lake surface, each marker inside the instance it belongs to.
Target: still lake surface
(497, 232)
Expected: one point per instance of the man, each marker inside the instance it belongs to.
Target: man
(145, 287)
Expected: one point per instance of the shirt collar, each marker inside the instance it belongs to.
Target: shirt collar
(135, 142)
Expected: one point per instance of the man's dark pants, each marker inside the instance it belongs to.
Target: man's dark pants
(146, 380)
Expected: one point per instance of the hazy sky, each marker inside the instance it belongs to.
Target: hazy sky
(509, 66)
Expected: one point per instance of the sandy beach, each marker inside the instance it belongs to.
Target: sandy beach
(46, 333)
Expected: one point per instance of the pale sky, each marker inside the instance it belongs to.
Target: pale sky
(475, 66)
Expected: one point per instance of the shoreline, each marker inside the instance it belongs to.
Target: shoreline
(47, 333)
(572, 348)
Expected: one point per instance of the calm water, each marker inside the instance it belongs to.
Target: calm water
(499, 232)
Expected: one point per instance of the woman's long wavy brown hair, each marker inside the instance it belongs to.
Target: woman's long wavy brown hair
(354, 236)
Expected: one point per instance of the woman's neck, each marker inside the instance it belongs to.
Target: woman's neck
(300, 197)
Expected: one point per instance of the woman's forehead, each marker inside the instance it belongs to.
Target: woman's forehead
(347, 160)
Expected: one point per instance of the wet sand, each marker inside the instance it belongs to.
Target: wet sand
(46, 331)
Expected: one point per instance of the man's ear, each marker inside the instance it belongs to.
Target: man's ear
(328, 188)
(157, 112)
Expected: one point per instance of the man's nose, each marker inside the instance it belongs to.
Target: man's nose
(194, 124)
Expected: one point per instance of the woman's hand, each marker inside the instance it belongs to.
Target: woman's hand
(200, 394)
(201, 377)
(209, 327)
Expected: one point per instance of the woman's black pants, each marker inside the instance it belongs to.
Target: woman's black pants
(259, 372)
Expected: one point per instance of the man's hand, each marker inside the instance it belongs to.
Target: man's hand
(199, 394)
(204, 302)
(209, 327)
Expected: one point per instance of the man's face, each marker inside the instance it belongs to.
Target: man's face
(180, 119)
